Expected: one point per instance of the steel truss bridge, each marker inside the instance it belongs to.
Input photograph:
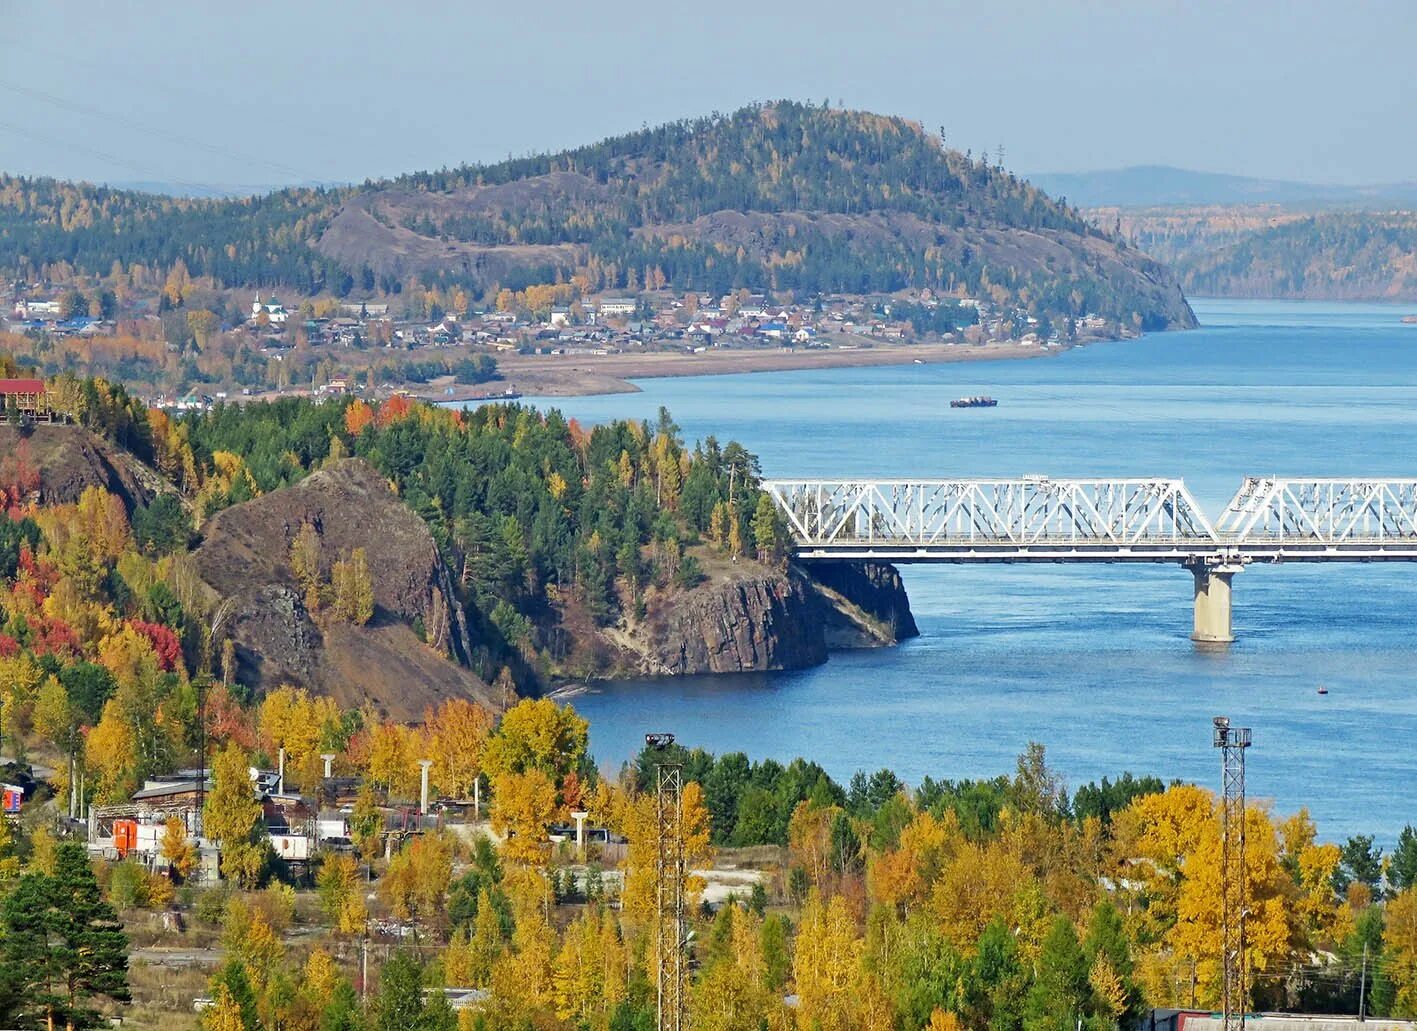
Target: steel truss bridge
(1038, 519)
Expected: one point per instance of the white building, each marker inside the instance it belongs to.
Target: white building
(274, 310)
(618, 306)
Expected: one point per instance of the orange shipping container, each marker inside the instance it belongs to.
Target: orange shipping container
(125, 836)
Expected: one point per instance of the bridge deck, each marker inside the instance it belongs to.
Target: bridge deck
(1036, 519)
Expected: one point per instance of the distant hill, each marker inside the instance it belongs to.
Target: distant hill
(784, 196)
(1350, 256)
(1145, 186)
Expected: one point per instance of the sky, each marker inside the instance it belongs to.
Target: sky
(262, 93)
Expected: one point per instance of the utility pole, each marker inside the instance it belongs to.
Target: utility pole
(364, 970)
(1234, 997)
(1363, 984)
(669, 887)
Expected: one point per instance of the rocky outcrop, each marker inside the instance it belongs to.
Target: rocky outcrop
(759, 622)
(866, 603)
(764, 619)
(67, 460)
(406, 658)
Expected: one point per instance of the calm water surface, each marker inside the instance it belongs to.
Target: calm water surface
(1093, 661)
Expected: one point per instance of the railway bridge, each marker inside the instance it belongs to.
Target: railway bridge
(1038, 519)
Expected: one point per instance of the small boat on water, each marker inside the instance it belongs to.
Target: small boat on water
(974, 402)
(1410, 320)
(1323, 689)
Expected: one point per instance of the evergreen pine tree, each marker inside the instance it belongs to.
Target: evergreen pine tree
(29, 989)
(1402, 869)
(1060, 992)
(399, 1006)
(62, 946)
(94, 949)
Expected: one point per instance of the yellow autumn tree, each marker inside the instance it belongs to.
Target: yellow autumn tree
(636, 820)
(224, 1014)
(352, 589)
(293, 719)
(1152, 837)
(232, 817)
(826, 965)
(416, 885)
(522, 808)
(470, 956)
(523, 977)
(732, 995)
(977, 882)
(248, 938)
(1313, 866)
(1400, 948)
(1272, 931)
(341, 893)
(178, 848)
(589, 975)
(391, 758)
(456, 735)
(305, 564)
(537, 734)
(902, 878)
(103, 521)
(809, 840)
(110, 756)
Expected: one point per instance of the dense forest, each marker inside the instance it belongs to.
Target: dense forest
(784, 196)
(1338, 256)
(541, 517)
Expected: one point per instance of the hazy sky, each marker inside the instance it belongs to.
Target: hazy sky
(260, 92)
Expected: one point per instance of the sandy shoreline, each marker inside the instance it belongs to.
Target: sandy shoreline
(580, 375)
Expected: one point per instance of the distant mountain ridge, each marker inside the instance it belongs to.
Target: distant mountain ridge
(1164, 186)
(782, 196)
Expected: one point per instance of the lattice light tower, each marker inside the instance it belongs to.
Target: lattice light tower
(669, 886)
(1234, 994)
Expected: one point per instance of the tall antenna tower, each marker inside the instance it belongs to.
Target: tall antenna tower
(1234, 996)
(669, 887)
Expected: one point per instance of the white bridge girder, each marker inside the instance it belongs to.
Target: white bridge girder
(1037, 519)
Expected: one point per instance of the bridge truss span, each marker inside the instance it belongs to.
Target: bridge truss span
(1276, 520)
(1037, 519)
(1033, 519)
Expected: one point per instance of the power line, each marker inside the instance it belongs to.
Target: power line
(64, 142)
(137, 126)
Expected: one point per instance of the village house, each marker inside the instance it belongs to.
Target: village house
(273, 309)
(618, 306)
(24, 400)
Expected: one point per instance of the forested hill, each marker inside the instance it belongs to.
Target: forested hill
(1350, 256)
(782, 196)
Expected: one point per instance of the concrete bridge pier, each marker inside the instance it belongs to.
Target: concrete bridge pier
(1212, 601)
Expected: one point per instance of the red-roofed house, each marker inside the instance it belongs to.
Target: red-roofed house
(22, 399)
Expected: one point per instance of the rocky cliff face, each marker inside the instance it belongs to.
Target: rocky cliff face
(67, 460)
(866, 603)
(244, 560)
(765, 619)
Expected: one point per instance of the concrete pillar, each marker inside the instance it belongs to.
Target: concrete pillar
(329, 758)
(423, 765)
(1212, 603)
(580, 818)
(280, 779)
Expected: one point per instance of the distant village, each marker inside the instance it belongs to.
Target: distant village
(654, 322)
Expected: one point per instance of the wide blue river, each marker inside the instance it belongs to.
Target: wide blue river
(1093, 661)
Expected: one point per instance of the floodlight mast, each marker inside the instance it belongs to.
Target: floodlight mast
(1234, 879)
(669, 872)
